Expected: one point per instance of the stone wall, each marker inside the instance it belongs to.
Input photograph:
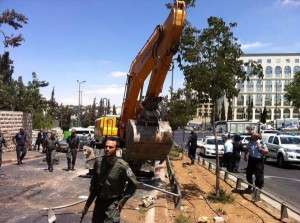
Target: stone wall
(10, 123)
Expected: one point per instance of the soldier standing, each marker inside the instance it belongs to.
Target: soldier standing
(112, 184)
(73, 142)
(2, 142)
(20, 141)
(51, 143)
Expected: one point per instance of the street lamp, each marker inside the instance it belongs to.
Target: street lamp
(79, 104)
(172, 69)
(276, 83)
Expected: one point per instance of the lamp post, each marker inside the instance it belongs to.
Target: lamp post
(172, 69)
(79, 104)
(276, 83)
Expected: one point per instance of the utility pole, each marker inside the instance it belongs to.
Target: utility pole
(79, 104)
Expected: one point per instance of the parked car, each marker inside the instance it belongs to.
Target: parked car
(63, 146)
(207, 146)
(245, 139)
(84, 141)
(284, 148)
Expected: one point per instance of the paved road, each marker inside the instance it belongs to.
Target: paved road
(284, 183)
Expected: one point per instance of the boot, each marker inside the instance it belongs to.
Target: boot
(73, 167)
(69, 164)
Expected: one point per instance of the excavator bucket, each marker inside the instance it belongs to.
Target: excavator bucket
(147, 143)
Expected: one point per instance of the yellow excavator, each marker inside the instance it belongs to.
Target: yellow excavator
(144, 137)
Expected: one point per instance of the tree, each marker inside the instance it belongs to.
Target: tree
(93, 113)
(101, 108)
(52, 106)
(16, 21)
(211, 66)
(293, 91)
(180, 109)
(114, 110)
(6, 68)
(223, 117)
(108, 108)
(263, 117)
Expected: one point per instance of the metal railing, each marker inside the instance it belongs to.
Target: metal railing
(256, 192)
(174, 184)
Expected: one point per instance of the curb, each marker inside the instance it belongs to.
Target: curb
(25, 158)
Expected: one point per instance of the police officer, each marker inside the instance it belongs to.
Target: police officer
(39, 140)
(228, 159)
(51, 143)
(256, 149)
(2, 142)
(192, 146)
(20, 141)
(73, 142)
(112, 183)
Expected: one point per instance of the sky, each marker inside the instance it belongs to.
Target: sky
(96, 41)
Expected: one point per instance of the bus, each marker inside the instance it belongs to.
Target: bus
(239, 126)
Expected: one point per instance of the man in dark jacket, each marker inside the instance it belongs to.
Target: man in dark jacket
(20, 141)
(51, 143)
(73, 142)
(237, 149)
(192, 146)
(112, 184)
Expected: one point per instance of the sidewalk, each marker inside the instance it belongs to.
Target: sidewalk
(11, 156)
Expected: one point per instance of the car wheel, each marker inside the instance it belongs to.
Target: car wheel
(280, 161)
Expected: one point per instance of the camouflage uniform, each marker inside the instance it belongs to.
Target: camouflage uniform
(109, 184)
(73, 141)
(51, 143)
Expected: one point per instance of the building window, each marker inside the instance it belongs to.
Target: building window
(259, 60)
(286, 102)
(269, 60)
(296, 60)
(277, 100)
(240, 100)
(287, 71)
(287, 60)
(258, 100)
(240, 85)
(278, 87)
(296, 69)
(268, 86)
(250, 86)
(277, 60)
(268, 71)
(268, 100)
(259, 86)
(278, 71)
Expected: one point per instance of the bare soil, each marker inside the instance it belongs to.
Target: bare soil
(196, 182)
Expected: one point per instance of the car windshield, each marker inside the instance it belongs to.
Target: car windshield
(212, 141)
(290, 140)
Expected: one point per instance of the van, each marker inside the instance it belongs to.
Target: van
(83, 131)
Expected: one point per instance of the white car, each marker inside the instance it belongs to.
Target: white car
(245, 139)
(207, 146)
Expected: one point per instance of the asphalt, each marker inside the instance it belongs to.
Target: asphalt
(11, 156)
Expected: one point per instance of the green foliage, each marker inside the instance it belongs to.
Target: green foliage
(293, 91)
(16, 21)
(222, 197)
(181, 109)
(263, 117)
(175, 152)
(182, 219)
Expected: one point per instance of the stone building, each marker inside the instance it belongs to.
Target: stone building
(10, 123)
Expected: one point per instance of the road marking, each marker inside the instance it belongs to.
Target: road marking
(284, 178)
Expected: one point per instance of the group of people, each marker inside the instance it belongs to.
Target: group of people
(112, 183)
(254, 153)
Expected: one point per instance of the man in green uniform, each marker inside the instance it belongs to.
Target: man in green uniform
(2, 142)
(73, 142)
(112, 184)
(51, 143)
